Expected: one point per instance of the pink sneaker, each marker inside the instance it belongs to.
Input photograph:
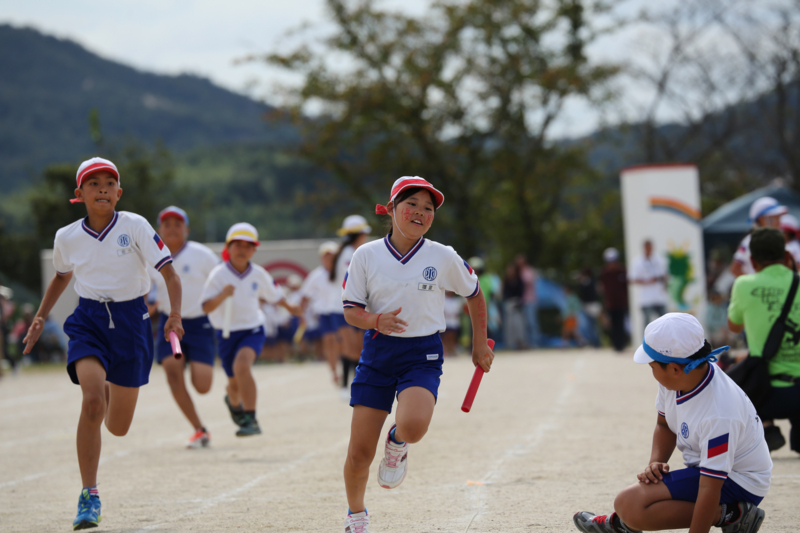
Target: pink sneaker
(200, 439)
(357, 523)
(394, 464)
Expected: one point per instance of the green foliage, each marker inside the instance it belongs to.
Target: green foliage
(464, 96)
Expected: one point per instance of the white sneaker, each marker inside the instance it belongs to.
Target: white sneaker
(200, 439)
(394, 464)
(357, 523)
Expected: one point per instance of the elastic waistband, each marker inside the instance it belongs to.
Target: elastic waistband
(392, 339)
(128, 304)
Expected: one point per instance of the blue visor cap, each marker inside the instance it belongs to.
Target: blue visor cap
(691, 364)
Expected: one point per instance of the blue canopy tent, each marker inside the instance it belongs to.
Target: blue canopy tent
(727, 225)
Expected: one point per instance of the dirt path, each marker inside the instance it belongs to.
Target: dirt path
(551, 433)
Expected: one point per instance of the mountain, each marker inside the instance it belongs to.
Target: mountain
(49, 87)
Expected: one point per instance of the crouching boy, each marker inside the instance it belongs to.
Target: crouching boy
(713, 424)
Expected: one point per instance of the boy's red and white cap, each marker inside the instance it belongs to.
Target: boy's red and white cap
(407, 182)
(354, 224)
(789, 222)
(89, 167)
(173, 211)
(242, 231)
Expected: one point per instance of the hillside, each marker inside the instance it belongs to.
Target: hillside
(49, 86)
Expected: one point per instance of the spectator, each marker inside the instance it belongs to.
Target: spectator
(756, 301)
(570, 332)
(5, 311)
(513, 318)
(615, 297)
(529, 308)
(590, 301)
(790, 228)
(21, 328)
(765, 212)
(650, 274)
(492, 288)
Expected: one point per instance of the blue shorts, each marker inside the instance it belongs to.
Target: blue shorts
(684, 484)
(244, 338)
(338, 321)
(126, 350)
(327, 324)
(198, 343)
(389, 365)
(286, 333)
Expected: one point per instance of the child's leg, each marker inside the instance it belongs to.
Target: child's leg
(232, 388)
(174, 369)
(365, 431)
(330, 349)
(246, 385)
(414, 412)
(650, 507)
(121, 406)
(202, 376)
(92, 377)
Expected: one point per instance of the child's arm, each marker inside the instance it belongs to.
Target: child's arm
(51, 296)
(481, 353)
(663, 445)
(216, 301)
(707, 505)
(175, 293)
(385, 323)
(296, 310)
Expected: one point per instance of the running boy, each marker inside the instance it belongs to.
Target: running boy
(110, 341)
(247, 284)
(395, 288)
(193, 262)
(713, 424)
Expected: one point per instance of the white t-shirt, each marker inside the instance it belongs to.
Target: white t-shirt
(342, 264)
(193, 263)
(453, 306)
(270, 319)
(793, 247)
(645, 269)
(380, 280)
(719, 431)
(113, 265)
(325, 297)
(742, 256)
(252, 285)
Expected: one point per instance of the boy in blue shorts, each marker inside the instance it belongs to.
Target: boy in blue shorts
(713, 424)
(193, 262)
(110, 349)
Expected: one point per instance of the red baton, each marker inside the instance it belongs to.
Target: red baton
(474, 384)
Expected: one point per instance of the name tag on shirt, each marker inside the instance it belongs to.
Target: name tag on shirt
(433, 356)
(124, 251)
(426, 287)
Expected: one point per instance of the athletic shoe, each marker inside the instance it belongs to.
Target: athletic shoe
(248, 427)
(774, 438)
(200, 439)
(591, 523)
(749, 521)
(357, 523)
(88, 511)
(394, 464)
(237, 415)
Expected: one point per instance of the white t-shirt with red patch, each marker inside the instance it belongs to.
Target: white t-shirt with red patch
(193, 263)
(380, 279)
(113, 264)
(718, 430)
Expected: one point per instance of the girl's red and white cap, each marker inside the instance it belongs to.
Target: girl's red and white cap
(89, 167)
(242, 231)
(408, 182)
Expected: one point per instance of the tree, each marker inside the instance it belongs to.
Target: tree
(466, 96)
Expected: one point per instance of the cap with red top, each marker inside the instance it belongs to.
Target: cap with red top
(91, 166)
(408, 182)
(173, 211)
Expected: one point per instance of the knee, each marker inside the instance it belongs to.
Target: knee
(360, 457)
(117, 431)
(94, 406)
(625, 505)
(173, 375)
(202, 386)
(413, 431)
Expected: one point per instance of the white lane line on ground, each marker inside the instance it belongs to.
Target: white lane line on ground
(552, 421)
(208, 503)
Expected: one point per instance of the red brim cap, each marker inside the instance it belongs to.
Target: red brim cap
(408, 182)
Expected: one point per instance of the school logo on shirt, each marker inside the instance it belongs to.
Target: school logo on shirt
(684, 431)
(429, 274)
(123, 240)
(186, 268)
(255, 286)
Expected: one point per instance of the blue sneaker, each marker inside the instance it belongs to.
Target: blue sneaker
(88, 511)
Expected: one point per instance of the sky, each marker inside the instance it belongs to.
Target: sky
(205, 37)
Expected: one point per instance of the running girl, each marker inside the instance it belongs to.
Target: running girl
(323, 298)
(193, 262)
(355, 231)
(246, 284)
(110, 351)
(395, 288)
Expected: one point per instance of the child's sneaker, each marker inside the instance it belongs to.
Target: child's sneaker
(357, 523)
(237, 414)
(248, 427)
(394, 464)
(749, 521)
(591, 523)
(88, 511)
(200, 439)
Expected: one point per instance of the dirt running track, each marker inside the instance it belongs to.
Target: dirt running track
(551, 433)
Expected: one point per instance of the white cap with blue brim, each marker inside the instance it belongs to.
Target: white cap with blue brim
(674, 338)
